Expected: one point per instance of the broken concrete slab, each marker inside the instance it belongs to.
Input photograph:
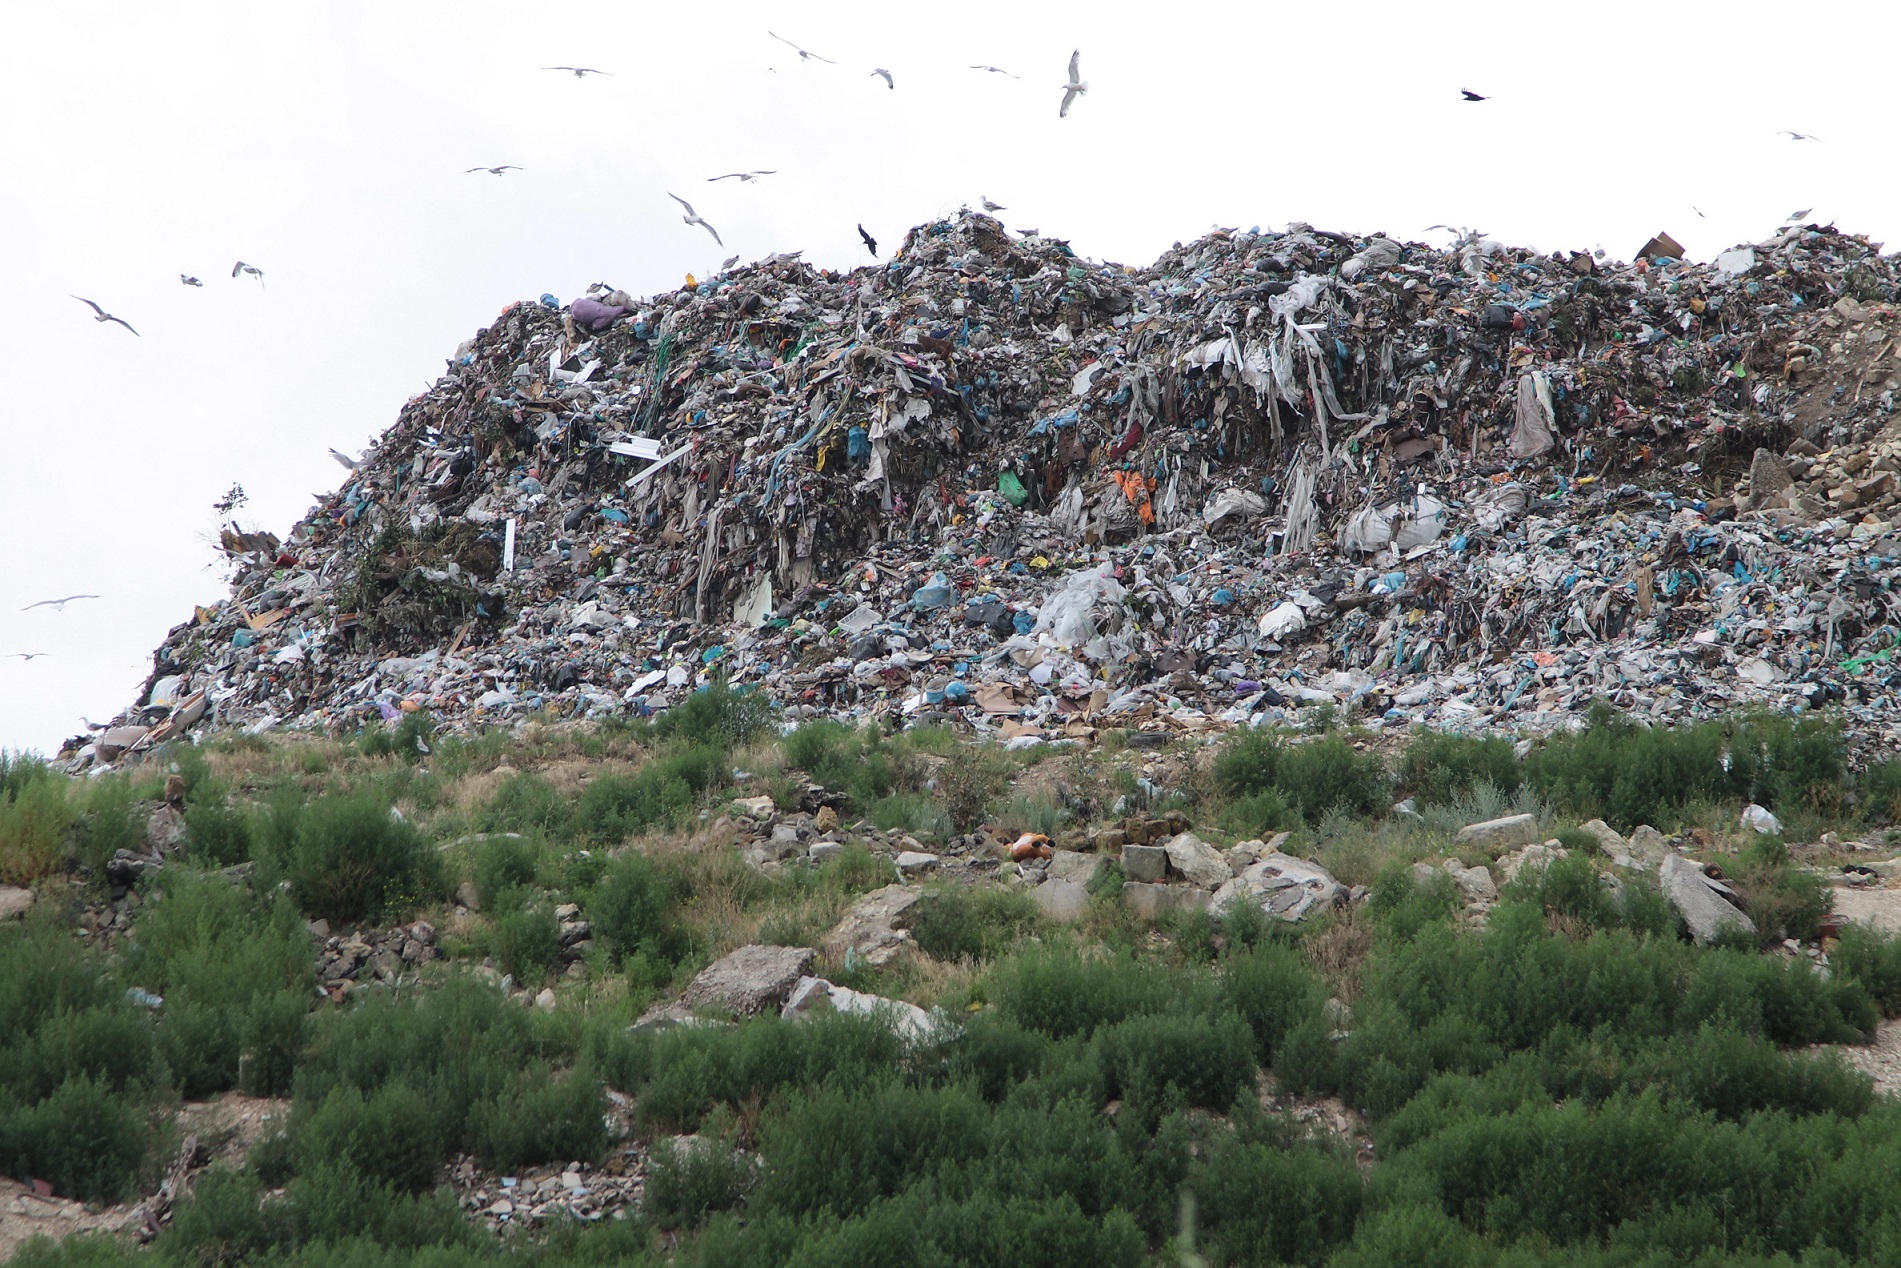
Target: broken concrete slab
(1151, 902)
(1284, 886)
(1705, 911)
(872, 928)
(1147, 863)
(1062, 900)
(1198, 862)
(752, 979)
(14, 902)
(1072, 865)
(1495, 836)
(814, 995)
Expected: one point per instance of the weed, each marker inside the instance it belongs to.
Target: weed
(1437, 767)
(350, 859)
(959, 922)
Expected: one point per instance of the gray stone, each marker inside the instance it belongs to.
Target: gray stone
(1498, 835)
(1144, 862)
(1153, 901)
(916, 863)
(469, 896)
(1062, 900)
(1191, 857)
(1283, 886)
(1070, 865)
(815, 995)
(1607, 837)
(753, 979)
(754, 807)
(1647, 844)
(1532, 856)
(822, 850)
(1769, 480)
(1474, 882)
(1698, 900)
(545, 1000)
(873, 927)
(14, 902)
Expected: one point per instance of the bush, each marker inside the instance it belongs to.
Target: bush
(527, 944)
(501, 866)
(351, 860)
(1206, 1061)
(1311, 778)
(661, 792)
(967, 785)
(1437, 768)
(409, 739)
(717, 716)
(526, 803)
(1872, 958)
(960, 922)
(217, 834)
(86, 1139)
(1315, 1207)
(1881, 791)
(389, 1137)
(541, 1118)
(629, 910)
(1249, 763)
(1061, 994)
(1785, 901)
(34, 816)
(686, 1182)
(1274, 990)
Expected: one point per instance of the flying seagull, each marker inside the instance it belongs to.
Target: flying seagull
(103, 314)
(728, 263)
(95, 726)
(188, 280)
(345, 459)
(744, 178)
(57, 603)
(871, 243)
(1469, 95)
(495, 171)
(1796, 217)
(983, 200)
(692, 217)
(803, 55)
(1076, 86)
(1698, 210)
(252, 269)
(887, 77)
(579, 71)
(28, 655)
(1800, 136)
(996, 70)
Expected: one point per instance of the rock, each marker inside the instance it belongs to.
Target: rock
(1647, 844)
(1153, 901)
(753, 979)
(1068, 865)
(14, 902)
(1769, 480)
(1062, 900)
(1144, 862)
(469, 896)
(1193, 858)
(1474, 882)
(545, 1000)
(815, 994)
(164, 829)
(827, 820)
(1533, 856)
(1704, 909)
(872, 927)
(567, 911)
(916, 863)
(754, 807)
(1283, 886)
(1608, 839)
(1110, 839)
(1495, 836)
(822, 850)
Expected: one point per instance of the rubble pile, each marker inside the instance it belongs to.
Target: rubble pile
(991, 480)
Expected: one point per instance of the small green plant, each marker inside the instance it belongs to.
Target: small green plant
(527, 943)
(1437, 767)
(502, 866)
(410, 739)
(967, 785)
(630, 910)
(961, 923)
(34, 816)
(689, 1181)
(526, 803)
(349, 858)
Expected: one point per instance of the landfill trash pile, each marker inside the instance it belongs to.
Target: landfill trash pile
(993, 482)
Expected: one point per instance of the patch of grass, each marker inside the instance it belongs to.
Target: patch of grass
(916, 813)
(410, 739)
(959, 922)
(1438, 767)
(967, 785)
(1312, 778)
(34, 816)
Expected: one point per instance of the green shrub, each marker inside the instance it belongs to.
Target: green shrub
(527, 943)
(1060, 994)
(224, 1221)
(717, 716)
(34, 816)
(961, 922)
(86, 1139)
(1785, 901)
(1316, 1202)
(389, 1137)
(687, 1182)
(1437, 768)
(217, 834)
(1206, 1061)
(1249, 763)
(109, 822)
(1880, 787)
(629, 910)
(1259, 814)
(662, 792)
(350, 859)
(1273, 989)
(410, 739)
(967, 785)
(1311, 778)
(526, 802)
(541, 1118)
(1872, 958)
(500, 866)
(833, 1152)
(917, 813)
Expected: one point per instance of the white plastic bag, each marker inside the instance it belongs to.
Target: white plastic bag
(1068, 616)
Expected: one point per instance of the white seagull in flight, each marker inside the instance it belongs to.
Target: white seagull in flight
(692, 217)
(1076, 86)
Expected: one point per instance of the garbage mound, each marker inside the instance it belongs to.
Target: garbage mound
(989, 480)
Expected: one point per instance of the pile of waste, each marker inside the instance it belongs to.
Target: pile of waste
(993, 482)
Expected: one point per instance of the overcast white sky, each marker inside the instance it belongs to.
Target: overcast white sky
(326, 143)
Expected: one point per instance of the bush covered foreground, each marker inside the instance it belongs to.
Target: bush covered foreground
(1575, 1084)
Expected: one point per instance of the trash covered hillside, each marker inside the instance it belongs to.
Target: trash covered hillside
(1467, 487)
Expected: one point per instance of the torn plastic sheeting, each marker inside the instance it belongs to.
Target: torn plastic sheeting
(1532, 430)
(1425, 522)
(1282, 621)
(755, 608)
(1068, 615)
(1500, 505)
(642, 477)
(1369, 529)
(1735, 262)
(1232, 502)
(1380, 253)
(636, 447)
